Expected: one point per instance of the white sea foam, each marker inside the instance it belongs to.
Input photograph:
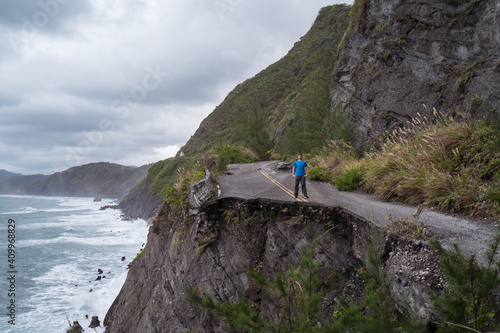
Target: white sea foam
(60, 248)
(25, 210)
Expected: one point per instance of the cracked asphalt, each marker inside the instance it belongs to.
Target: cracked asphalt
(263, 180)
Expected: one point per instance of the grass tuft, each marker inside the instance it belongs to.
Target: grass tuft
(448, 164)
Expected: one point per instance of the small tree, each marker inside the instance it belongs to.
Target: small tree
(468, 301)
(317, 120)
(257, 133)
(376, 311)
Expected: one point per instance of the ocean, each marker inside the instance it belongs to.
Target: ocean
(51, 251)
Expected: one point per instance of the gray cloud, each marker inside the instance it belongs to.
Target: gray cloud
(127, 81)
(42, 16)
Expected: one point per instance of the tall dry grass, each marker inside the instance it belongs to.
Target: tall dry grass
(332, 160)
(449, 164)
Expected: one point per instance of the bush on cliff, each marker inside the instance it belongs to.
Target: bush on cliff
(334, 158)
(350, 179)
(319, 174)
(469, 300)
(227, 154)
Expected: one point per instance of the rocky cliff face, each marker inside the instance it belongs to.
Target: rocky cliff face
(212, 250)
(402, 54)
(140, 203)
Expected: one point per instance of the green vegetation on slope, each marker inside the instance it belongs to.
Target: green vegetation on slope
(469, 300)
(453, 165)
(315, 121)
(274, 91)
(171, 178)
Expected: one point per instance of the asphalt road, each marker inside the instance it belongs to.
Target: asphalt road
(263, 180)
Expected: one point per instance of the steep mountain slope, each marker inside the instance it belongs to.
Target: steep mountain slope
(91, 180)
(400, 55)
(274, 89)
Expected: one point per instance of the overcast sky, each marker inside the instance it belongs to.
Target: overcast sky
(128, 81)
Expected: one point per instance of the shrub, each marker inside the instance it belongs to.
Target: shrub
(468, 301)
(406, 228)
(493, 191)
(319, 174)
(300, 291)
(332, 160)
(350, 179)
(226, 154)
(257, 134)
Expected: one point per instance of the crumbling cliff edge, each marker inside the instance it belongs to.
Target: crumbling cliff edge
(212, 249)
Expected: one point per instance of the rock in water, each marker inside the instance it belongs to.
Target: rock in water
(75, 328)
(95, 322)
(97, 199)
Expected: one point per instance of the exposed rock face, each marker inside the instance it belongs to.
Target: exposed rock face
(140, 202)
(212, 251)
(401, 54)
(200, 193)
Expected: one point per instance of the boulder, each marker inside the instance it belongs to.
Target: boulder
(75, 328)
(200, 193)
(95, 322)
(283, 166)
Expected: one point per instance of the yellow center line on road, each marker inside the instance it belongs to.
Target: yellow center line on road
(281, 186)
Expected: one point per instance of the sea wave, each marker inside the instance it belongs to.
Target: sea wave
(102, 241)
(61, 243)
(25, 210)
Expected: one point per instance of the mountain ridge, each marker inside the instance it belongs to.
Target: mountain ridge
(4, 174)
(101, 179)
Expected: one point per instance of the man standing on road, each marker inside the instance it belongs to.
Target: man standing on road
(300, 172)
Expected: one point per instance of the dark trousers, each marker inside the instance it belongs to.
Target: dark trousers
(302, 181)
